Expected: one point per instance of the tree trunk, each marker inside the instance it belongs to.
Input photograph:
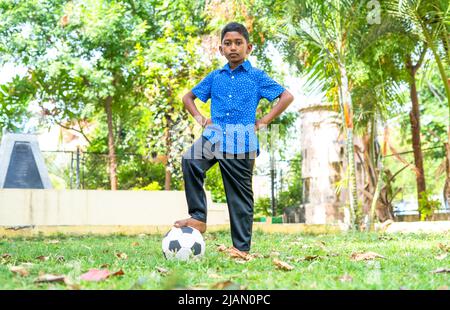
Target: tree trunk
(447, 164)
(415, 130)
(348, 117)
(111, 149)
(168, 177)
(446, 193)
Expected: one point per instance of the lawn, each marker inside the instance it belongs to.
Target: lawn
(409, 261)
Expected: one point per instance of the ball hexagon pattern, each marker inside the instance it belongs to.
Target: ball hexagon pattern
(183, 244)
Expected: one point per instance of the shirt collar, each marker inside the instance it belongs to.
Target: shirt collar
(246, 65)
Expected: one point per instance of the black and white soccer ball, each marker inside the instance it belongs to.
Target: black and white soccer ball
(183, 244)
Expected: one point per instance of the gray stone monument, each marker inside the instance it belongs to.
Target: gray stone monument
(21, 163)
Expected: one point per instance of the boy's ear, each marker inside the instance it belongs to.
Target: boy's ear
(221, 50)
(249, 48)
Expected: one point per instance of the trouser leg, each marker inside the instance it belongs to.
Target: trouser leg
(195, 162)
(237, 181)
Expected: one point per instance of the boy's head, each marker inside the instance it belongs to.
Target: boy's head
(235, 44)
(235, 27)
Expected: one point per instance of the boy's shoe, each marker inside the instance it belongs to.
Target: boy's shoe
(199, 225)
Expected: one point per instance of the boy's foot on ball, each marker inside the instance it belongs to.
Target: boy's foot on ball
(199, 225)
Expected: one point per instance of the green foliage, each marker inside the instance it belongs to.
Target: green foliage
(135, 172)
(14, 100)
(293, 196)
(262, 207)
(214, 183)
(427, 205)
(153, 186)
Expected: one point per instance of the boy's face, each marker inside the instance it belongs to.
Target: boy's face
(235, 48)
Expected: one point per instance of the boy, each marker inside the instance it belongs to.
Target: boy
(229, 137)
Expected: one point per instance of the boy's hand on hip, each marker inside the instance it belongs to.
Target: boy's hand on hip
(203, 121)
(260, 124)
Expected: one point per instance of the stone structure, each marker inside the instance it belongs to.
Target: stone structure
(324, 164)
(21, 163)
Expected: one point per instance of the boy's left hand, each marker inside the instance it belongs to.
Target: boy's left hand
(260, 124)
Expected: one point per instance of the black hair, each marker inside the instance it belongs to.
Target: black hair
(233, 26)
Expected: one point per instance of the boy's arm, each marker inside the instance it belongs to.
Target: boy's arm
(284, 101)
(188, 101)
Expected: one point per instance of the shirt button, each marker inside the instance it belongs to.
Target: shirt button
(232, 76)
(224, 132)
(228, 114)
(229, 96)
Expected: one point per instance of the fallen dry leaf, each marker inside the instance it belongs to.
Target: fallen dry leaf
(274, 254)
(310, 257)
(214, 276)
(54, 241)
(6, 256)
(443, 288)
(42, 258)
(444, 247)
(365, 256)
(20, 270)
(226, 285)
(441, 270)
(95, 275)
(162, 271)
(385, 238)
(47, 278)
(291, 258)
(104, 266)
(117, 273)
(346, 278)
(221, 247)
(442, 256)
(121, 255)
(257, 255)
(282, 265)
(135, 243)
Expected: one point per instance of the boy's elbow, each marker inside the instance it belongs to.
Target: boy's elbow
(289, 97)
(187, 97)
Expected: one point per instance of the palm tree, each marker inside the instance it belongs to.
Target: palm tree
(325, 34)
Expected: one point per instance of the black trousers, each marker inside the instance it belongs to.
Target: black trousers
(237, 171)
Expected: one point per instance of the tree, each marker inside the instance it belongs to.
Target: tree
(320, 38)
(430, 22)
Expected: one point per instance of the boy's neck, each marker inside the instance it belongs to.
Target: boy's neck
(235, 65)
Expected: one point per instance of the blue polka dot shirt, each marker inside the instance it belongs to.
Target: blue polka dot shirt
(235, 95)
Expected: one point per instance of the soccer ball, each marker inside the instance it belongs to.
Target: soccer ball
(183, 243)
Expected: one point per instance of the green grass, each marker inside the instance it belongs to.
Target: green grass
(408, 264)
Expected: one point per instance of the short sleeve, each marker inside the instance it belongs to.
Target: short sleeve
(268, 88)
(203, 89)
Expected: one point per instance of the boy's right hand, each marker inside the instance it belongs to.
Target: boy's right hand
(203, 121)
(208, 122)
